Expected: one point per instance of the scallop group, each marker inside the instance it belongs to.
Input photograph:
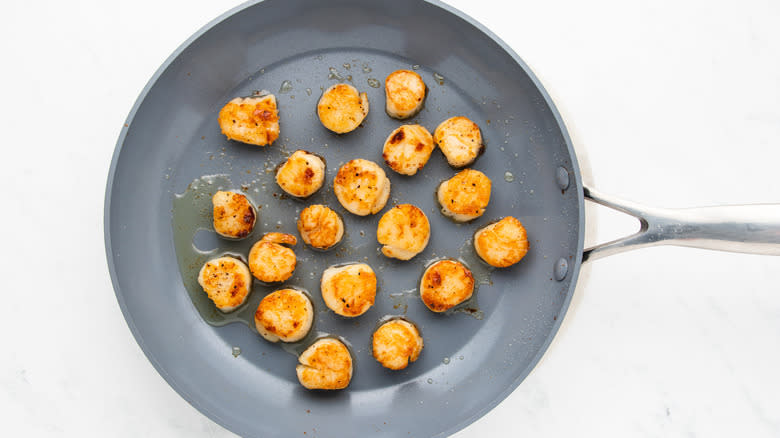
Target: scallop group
(285, 312)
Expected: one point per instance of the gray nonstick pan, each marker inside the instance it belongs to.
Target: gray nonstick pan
(171, 155)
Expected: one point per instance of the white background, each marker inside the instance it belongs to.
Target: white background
(669, 103)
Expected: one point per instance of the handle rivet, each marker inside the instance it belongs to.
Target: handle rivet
(562, 178)
(561, 269)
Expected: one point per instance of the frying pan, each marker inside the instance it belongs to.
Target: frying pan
(473, 358)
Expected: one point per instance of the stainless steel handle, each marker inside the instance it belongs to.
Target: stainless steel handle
(753, 229)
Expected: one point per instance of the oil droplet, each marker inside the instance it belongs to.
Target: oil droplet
(308, 91)
(346, 65)
(373, 83)
(236, 351)
(439, 78)
(509, 177)
(416, 67)
(349, 78)
(366, 68)
(430, 381)
(461, 357)
(334, 74)
(286, 87)
(446, 360)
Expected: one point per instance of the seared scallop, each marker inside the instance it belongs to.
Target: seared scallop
(252, 120)
(326, 364)
(396, 344)
(234, 215)
(362, 187)
(464, 196)
(227, 282)
(404, 231)
(459, 140)
(404, 93)
(271, 262)
(408, 148)
(302, 174)
(349, 290)
(502, 243)
(445, 284)
(285, 315)
(320, 227)
(342, 109)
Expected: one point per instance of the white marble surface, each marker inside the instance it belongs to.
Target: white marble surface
(669, 103)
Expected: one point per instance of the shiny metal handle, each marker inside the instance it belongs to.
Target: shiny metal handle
(753, 229)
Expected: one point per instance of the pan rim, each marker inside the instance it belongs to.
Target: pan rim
(179, 388)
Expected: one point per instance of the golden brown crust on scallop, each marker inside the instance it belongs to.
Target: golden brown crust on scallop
(408, 148)
(233, 215)
(445, 284)
(341, 108)
(302, 174)
(226, 281)
(362, 187)
(404, 94)
(465, 196)
(404, 231)
(349, 290)
(396, 344)
(320, 227)
(503, 243)
(460, 140)
(285, 315)
(271, 262)
(326, 364)
(252, 120)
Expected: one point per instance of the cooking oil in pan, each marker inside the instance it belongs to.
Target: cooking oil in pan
(192, 213)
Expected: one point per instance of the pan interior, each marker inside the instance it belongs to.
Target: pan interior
(295, 49)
